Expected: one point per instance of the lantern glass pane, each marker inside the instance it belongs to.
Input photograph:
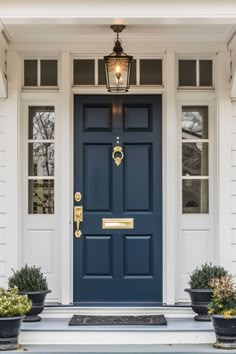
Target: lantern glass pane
(118, 73)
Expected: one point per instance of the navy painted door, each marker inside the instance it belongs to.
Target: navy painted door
(115, 266)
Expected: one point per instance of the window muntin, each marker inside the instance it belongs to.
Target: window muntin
(41, 160)
(40, 73)
(195, 160)
(194, 73)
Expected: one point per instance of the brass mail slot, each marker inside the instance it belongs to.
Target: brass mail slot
(118, 223)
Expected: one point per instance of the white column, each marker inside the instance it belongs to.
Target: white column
(224, 134)
(13, 225)
(65, 179)
(170, 180)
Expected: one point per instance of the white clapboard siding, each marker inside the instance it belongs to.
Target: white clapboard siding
(3, 196)
(233, 191)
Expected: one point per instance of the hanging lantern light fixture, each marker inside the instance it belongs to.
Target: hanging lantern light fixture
(118, 65)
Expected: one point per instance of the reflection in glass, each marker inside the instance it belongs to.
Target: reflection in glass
(41, 159)
(195, 122)
(41, 123)
(195, 196)
(195, 159)
(41, 196)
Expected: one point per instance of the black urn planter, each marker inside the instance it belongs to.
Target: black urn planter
(9, 332)
(37, 298)
(200, 299)
(225, 330)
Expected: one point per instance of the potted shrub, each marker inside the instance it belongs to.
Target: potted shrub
(200, 291)
(32, 282)
(222, 309)
(12, 310)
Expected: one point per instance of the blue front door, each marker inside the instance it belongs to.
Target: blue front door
(118, 257)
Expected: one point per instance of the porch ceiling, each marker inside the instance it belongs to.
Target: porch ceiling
(32, 20)
(38, 30)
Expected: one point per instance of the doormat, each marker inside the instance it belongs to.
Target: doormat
(153, 320)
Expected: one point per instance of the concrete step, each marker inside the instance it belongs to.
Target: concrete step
(51, 331)
(124, 349)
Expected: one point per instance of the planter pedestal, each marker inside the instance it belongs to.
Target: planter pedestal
(200, 299)
(9, 332)
(225, 330)
(37, 298)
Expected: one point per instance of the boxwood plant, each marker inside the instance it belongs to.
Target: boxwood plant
(201, 277)
(13, 304)
(28, 279)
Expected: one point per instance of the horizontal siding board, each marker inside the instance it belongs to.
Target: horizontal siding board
(233, 173)
(233, 252)
(2, 188)
(2, 220)
(2, 158)
(234, 124)
(3, 256)
(3, 124)
(3, 173)
(2, 205)
(3, 269)
(233, 158)
(3, 282)
(234, 109)
(3, 141)
(233, 236)
(2, 235)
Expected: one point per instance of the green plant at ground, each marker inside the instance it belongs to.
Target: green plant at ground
(13, 304)
(28, 279)
(201, 277)
(224, 297)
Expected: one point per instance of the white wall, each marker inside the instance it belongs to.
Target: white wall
(233, 192)
(3, 193)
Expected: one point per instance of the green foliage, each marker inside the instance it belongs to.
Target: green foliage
(13, 304)
(28, 279)
(201, 277)
(224, 297)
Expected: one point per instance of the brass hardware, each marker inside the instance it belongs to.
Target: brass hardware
(117, 223)
(78, 218)
(78, 196)
(117, 159)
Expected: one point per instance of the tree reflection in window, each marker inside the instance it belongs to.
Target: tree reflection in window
(195, 163)
(41, 160)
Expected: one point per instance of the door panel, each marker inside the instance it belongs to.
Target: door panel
(118, 266)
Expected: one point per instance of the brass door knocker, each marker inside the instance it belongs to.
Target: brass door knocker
(117, 150)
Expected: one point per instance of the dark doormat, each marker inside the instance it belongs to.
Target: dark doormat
(154, 320)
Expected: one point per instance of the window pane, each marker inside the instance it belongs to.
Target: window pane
(30, 72)
(41, 196)
(150, 72)
(195, 196)
(102, 74)
(48, 75)
(205, 72)
(41, 159)
(84, 72)
(187, 73)
(41, 123)
(195, 122)
(195, 159)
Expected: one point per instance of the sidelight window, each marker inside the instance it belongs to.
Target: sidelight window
(41, 160)
(195, 159)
